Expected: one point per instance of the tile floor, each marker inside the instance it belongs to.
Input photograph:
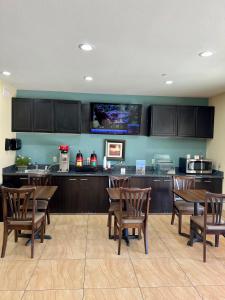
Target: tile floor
(81, 263)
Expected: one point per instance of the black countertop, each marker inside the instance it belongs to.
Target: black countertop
(130, 171)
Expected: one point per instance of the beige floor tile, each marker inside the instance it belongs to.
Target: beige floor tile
(54, 295)
(170, 293)
(179, 249)
(113, 294)
(97, 220)
(79, 220)
(61, 274)
(156, 249)
(70, 249)
(217, 251)
(11, 295)
(159, 272)
(69, 232)
(15, 275)
(212, 292)
(210, 273)
(19, 251)
(105, 249)
(97, 232)
(109, 273)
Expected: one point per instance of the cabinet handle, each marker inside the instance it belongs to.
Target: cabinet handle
(83, 179)
(207, 180)
(156, 180)
(72, 179)
(198, 180)
(23, 178)
(167, 180)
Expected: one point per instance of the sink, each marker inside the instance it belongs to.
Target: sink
(37, 171)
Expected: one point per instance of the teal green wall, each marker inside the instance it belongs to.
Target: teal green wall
(42, 147)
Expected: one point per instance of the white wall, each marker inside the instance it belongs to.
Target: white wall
(6, 93)
(216, 147)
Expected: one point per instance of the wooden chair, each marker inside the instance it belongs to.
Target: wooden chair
(17, 217)
(132, 213)
(211, 222)
(40, 180)
(115, 182)
(181, 207)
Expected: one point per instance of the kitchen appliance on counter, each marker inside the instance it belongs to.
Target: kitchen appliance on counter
(64, 158)
(163, 163)
(195, 165)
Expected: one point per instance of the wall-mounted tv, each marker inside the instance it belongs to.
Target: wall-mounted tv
(114, 118)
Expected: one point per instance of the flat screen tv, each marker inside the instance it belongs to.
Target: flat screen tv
(114, 118)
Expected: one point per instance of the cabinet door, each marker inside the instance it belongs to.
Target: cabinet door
(213, 185)
(43, 116)
(67, 116)
(163, 120)
(93, 193)
(161, 193)
(204, 121)
(22, 115)
(186, 116)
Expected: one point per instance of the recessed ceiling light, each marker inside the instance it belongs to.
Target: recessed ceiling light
(88, 78)
(86, 47)
(206, 53)
(6, 73)
(169, 82)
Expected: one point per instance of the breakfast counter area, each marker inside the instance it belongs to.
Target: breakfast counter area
(82, 192)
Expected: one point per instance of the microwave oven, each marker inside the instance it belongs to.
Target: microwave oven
(195, 166)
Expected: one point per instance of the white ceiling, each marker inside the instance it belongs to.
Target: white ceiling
(136, 41)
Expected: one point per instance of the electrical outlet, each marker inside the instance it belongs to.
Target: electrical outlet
(54, 159)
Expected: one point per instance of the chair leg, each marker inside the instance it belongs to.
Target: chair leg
(179, 223)
(173, 217)
(192, 232)
(133, 231)
(32, 244)
(109, 224)
(204, 247)
(115, 228)
(146, 238)
(217, 240)
(4, 243)
(42, 231)
(120, 237)
(48, 216)
(16, 235)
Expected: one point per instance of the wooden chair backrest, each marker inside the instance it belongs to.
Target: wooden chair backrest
(136, 201)
(38, 179)
(214, 209)
(183, 182)
(16, 203)
(118, 181)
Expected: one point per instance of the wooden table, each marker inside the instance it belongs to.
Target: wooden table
(196, 197)
(193, 196)
(42, 193)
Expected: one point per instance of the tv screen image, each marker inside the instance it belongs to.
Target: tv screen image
(115, 118)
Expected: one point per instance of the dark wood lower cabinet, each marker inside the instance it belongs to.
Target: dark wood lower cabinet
(161, 194)
(87, 194)
(80, 194)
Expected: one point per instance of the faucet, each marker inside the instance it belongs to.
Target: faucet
(36, 165)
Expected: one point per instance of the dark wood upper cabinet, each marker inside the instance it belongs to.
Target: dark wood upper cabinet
(67, 116)
(182, 121)
(46, 115)
(205, 121)
(163, 120)
(22, 115)
(43, 116)
(185, 121)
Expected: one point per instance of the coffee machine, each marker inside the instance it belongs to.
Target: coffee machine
(64, 158)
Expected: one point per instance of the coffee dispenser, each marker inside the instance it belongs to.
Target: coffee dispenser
(64, 159)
